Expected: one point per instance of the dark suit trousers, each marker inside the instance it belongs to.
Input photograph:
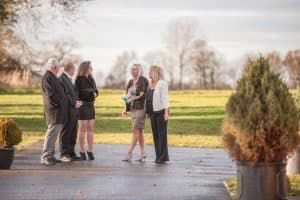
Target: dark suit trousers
(68, 134)
(159, 131)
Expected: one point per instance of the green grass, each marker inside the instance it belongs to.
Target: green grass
(294, 189)
(196, 116)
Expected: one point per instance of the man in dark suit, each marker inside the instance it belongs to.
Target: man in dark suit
(68, 134)
(55, 104)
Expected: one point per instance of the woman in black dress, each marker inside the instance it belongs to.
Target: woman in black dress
(87, 92)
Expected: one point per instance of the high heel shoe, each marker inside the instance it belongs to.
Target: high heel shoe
(82, 155)
(142, 158)
(90, 155)
(128, 157)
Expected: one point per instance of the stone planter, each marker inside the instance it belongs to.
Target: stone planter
(6, 157)
(265, 181)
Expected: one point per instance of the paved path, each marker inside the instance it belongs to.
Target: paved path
(193, 173)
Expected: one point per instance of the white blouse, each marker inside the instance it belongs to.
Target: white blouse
(160, 96)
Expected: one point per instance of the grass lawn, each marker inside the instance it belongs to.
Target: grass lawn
(196, 117)
(294, 190)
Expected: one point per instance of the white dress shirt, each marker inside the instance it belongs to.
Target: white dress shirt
(160, 96)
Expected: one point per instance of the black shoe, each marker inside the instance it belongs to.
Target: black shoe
(56, 160)
(48, 161)
(65, 159)
(142, 158)
(83, 156)
(161, 161)
(90, 155)
(74, 157)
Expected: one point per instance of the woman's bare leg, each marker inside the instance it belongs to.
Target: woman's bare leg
(82, 129)
(90, 135)
(142, 141)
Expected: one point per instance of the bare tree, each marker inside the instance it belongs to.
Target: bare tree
(117, 76)
(180, 35)
(13, 12)
(275, 62)
(292, 62)
(164, 60)
(204, 63)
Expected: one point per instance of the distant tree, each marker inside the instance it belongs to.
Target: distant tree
(62, 49)
(13, 11)
(292, 63)
(204, 63)
(180, 35)
(275, 62)
(117, 76)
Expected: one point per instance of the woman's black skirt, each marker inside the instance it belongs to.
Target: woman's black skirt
(86, 111)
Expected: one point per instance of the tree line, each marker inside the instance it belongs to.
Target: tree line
(188, 60)
(186, 54)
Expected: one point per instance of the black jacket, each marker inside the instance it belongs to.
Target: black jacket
(70, 92)
(54, 98)
(86, 88)
(141, 86)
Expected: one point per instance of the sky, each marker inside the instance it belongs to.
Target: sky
(105, 28)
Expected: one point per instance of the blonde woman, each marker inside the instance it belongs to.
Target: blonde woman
(87, 92)
(157, 107)
(135, 91)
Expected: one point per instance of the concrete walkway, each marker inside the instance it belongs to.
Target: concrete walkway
(193, 173)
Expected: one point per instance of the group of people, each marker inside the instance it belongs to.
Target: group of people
(70, 112)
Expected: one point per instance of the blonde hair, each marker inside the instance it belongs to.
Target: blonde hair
(84, 68)
(158, 73)
(139, 68)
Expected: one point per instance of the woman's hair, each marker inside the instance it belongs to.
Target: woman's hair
(139, 68)
(158, 73)
(84, 68)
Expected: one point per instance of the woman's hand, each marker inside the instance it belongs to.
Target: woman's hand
(166, 115)
(124, 113)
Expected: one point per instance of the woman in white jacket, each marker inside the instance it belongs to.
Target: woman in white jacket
(157, 107)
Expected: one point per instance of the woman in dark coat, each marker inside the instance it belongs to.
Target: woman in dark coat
(87, 92)
(135, 92)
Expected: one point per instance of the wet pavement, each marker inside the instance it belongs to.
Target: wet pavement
(192, 173)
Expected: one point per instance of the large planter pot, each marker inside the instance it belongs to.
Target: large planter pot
(265, 181)
(6, 157)
(293, 164)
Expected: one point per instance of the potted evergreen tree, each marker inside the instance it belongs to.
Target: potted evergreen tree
(10, 135)
(260, 130)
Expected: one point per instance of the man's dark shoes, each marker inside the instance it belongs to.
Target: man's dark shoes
(74, 157)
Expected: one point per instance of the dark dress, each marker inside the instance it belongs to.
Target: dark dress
(159, 129)
(86, 87)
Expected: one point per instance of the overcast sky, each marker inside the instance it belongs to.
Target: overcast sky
(232, 27)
